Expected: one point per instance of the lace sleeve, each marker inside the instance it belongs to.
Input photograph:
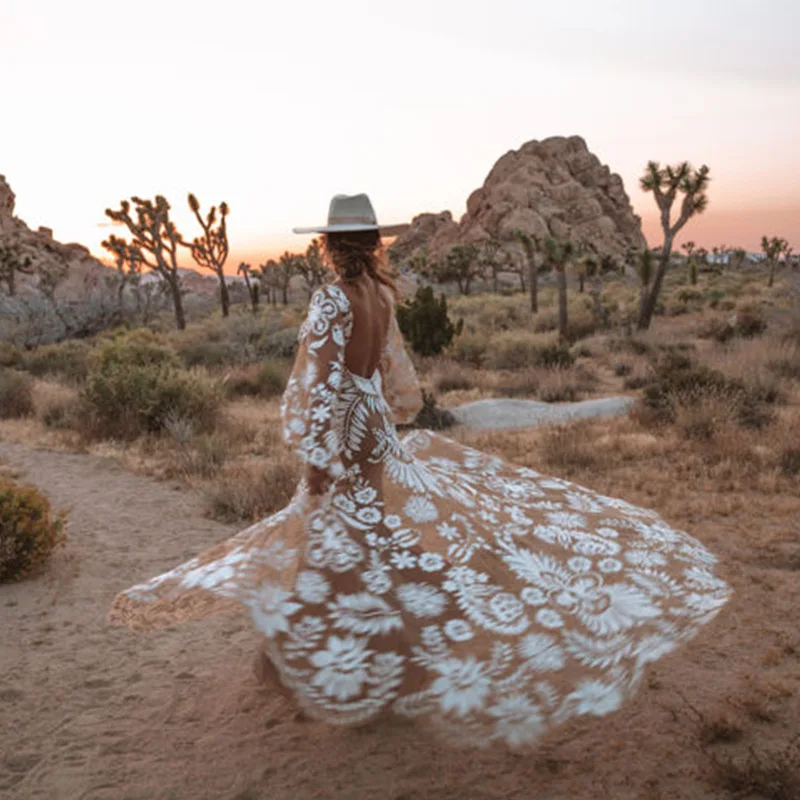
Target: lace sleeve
(400, 381)
(308, 402)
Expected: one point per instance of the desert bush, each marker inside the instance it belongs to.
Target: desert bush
(16, 394)
(138, 348)
(431, 416)
(678, 383)
(202, 455)
(469, 348)
(425, 323)
(629, 344)
(56, 404)
(564, 385)
(67, 360)
(518, 349)
(10, 356)
(567, 447)
(785, 362)
(256, 380)
(206, 354)
(253, 491)
(521, 382)
(29, 532)
(450, 376)
(750, 321)
(278, 344)
(491, 312)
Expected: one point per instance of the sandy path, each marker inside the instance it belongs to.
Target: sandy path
(89, 711)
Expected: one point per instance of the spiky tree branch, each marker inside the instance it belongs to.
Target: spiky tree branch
(210, 251)
(666, 184)
(155, 235)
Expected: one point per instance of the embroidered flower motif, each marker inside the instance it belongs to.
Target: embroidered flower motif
(421, 509)
(270, 608)
(311, 587)
(403, 560)
(364, 613)
(462, 685)
(459, 630)
(341, 668)
(421, 599)
(519, 721)
(431, 562)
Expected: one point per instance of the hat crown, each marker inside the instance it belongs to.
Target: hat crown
(353, 209)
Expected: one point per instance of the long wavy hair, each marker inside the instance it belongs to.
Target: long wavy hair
(353, 253)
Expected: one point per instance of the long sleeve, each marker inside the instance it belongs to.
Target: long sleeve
(400, 382)
(308, 403)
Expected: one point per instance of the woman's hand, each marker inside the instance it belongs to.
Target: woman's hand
(318, 481)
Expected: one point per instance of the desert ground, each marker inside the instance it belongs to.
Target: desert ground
(88, 710)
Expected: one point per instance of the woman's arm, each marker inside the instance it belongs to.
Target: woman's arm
(309, 403)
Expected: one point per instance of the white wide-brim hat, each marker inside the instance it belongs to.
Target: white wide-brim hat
(349, 213)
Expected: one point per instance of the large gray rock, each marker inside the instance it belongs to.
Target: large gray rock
(507, 413)
(555, 187)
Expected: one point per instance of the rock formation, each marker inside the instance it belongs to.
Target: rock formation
(555, 187)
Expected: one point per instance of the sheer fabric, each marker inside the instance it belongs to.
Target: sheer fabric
(433, 581)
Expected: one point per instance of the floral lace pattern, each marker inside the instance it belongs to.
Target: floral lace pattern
(434, 581)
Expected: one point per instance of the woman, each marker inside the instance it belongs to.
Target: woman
(418, 577)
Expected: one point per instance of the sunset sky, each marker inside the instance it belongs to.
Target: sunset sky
(275, 106)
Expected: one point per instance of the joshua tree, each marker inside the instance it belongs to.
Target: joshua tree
(738, 257)
(461, 265)
(155, 235)
(311, 267)
(491, 260)
(287, 268)
(12, 261)
(210, 250)
(558, 255)
(129, 267)
(253, 288)
(594, 267)
(644, 269)
(773, 248)
(666, 183)
(531, 247)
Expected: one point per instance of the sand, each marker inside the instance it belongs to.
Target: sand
(91, 711)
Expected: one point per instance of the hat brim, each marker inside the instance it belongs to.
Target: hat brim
(344, 228)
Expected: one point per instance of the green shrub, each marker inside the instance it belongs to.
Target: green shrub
(425, 323)
(206, 354)
(28, 531)
(519, 349)
(138, 348)
(16, 394)
(138, 390)
(256, 380)
(66, 360)
(278, 344)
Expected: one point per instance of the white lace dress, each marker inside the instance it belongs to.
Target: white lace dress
(433, 581)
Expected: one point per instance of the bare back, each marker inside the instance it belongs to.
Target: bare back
(371, 309)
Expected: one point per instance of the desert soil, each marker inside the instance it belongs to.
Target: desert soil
(92, 711)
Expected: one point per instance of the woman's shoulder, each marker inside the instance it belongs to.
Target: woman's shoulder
(331, 293)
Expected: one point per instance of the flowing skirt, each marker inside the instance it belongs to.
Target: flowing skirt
(443, 584)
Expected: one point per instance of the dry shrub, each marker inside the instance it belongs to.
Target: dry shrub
(519, 349)
(202, 455)
(29, 532)
(678, 384)
(564, 385)
(769, 774)
(69, 361)
(521, 383)
(492, 312)
(57, 406)
(256, 380)
(784, 361)
(450, 376)
(251, 491)
(10, 356)
(702, 413)
(16, 394)
(747, 362)
(469, 348)
(568, 447)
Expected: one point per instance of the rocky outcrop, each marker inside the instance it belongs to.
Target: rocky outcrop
(555, 187)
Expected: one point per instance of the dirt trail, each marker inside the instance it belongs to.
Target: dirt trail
(90, 711)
